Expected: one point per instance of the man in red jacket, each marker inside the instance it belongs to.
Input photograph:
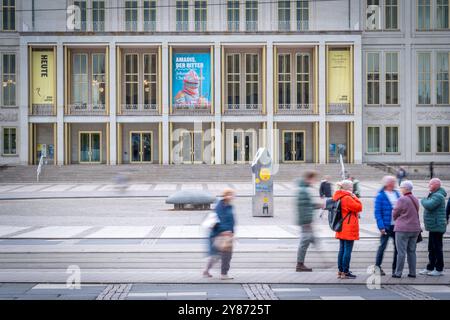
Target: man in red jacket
(350, 208)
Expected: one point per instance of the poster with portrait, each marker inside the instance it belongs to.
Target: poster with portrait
(191, 80)
(43, 77)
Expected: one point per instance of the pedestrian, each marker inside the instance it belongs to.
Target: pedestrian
(407, 229)
(385, 202)
(325, 191)
(306, 208)
(350, 207)
(356, 190)
(435, 220)
(401, 174)
(431, 167)
(447, 210)
(223, 231)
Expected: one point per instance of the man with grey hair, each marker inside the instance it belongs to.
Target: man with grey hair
(436, 224)
(385, 202)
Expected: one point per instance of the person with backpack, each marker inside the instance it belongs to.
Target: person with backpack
(407, 229)
(385, 202)
(306, 208)
(350, 206)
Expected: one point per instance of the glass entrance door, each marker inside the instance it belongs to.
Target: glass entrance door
(293, 146)
(90, 147)
(141, 146)
(243, 146)
(192, 147)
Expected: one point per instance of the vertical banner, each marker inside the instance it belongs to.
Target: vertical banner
(339, 78)
(191, 80)
(43, 78)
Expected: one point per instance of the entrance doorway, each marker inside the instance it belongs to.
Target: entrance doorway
(294, 146)
(243, 146)
(90, 147)
(141, 146)
(191, 147)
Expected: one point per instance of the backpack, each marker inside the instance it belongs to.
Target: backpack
(335, 218)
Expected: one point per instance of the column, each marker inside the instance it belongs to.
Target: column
(269, 97)
(322, 101)
(23, 103)
(165, 102)
(60, 103)
(112, 104)
(357, 103)
(218, 102)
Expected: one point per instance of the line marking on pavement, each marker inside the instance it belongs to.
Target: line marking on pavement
(291, 289)
(342, 298)
(147, 294)
(184, 294)
(50, 286)
(432, 288)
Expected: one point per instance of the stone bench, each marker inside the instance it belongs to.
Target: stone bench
(191, 199)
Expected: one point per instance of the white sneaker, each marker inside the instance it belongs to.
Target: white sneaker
(435, 273)
(225, 277)
(424, 272)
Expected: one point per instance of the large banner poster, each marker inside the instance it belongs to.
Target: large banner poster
(339, 77)
(191, 80)
(43, 78)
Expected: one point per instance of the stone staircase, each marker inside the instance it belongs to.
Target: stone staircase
(174, 173)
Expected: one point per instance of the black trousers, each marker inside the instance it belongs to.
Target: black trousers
(384, 239)
(435, 253)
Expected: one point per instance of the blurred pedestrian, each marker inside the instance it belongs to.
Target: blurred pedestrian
(350, 207)
(306, 208)
(401, 174)
(385, 202)
(221, 236)
(435, 220)
(407, 229)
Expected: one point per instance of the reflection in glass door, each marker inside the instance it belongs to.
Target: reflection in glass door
(141, 146)
(293, 146)
(243, 146)
(90, 147)
(192, 147)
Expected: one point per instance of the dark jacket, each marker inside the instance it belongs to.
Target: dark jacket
(305, 204)
(325, 190)
(226, 223)
(434, 214)
(448, 210)
(401, 174)
(383, 209)
(356, 189)
(406, 214)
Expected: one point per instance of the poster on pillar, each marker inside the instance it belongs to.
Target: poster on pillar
(43, 78)
(339, 76)
(191, 80)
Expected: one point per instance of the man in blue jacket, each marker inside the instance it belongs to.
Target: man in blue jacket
(384, 204)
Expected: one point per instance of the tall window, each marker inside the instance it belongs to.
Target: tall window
(373, 78)
(233, 15)
(424, 14)
(303, 78)
(98, 79)
(302, 14)
(83, 14)
(424, 139)
(9, 79)
(251, 78)
(391, 15)
(373, 139)
(182, 13)
(284, 79)
(200, 15)
(284, 15)
(424, 77)
(442, 14)
(131, 79)
(391, 139)
(251, 15)
(391, 78)
(98, 15)
(233, 78)
(80, 82)
(443, 139)
(149, 83)
(9, 141)
(9, 15)
(442, 78)
(150, 15)
(131, 15)
(373, 16)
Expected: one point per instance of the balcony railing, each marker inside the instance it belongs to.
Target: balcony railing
(87, 109)
(245, 109)
(296, 109)
(182, 25)
(338, 108)
(98, 26)
(284, 25)
(181, 109)
(139, 109)
(42, 110)
(149, 25)
(251, 25)
(233, 25)
(131, 25)
(200, 26)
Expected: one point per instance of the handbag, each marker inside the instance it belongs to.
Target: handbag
(224, 242)
(210, 221)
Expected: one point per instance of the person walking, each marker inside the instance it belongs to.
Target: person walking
(350, 208)
(435, 220)
(222, 232)
(356, 189)
(407, 229)
(306, 208)
(385, 201)
(325, 191)
(401, 174)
